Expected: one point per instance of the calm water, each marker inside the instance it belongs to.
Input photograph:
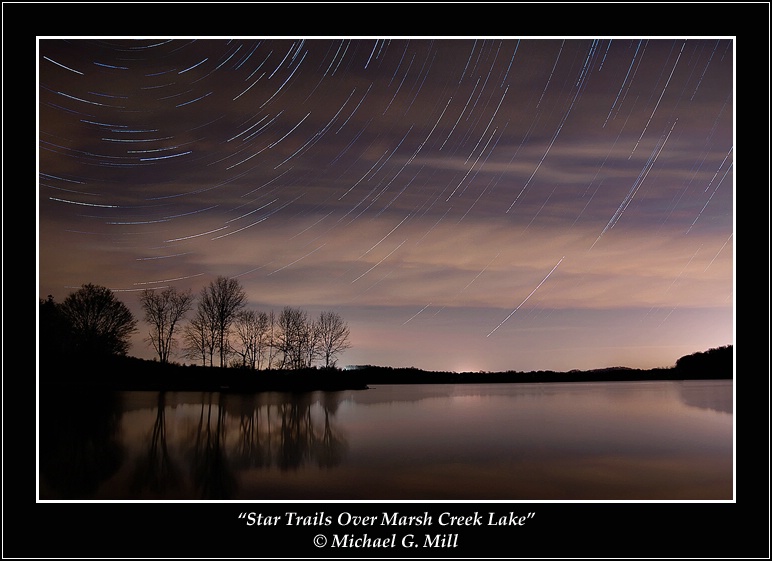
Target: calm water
(581, 441)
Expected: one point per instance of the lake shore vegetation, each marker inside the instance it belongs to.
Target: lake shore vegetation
(86, 346)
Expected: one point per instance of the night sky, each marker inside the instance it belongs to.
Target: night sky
(464, 204)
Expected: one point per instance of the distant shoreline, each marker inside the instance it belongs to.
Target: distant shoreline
(133, 374)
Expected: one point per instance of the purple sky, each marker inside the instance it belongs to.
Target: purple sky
(464, 204)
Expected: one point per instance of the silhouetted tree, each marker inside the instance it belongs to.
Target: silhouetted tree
(222, 300)
(163, 310)
(252, 332)
(713, 363)
(310, 343)
(264, 339)
(100, 323)
(199, 339)
(292, 337)
(272, 348)
(54, 332)
(333, 337)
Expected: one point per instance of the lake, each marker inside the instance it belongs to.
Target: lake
(655, 441)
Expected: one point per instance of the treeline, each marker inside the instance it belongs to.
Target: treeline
(92, 323)
(713, 363)
(380, 375)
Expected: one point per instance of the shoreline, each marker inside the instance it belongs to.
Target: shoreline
(132, 374)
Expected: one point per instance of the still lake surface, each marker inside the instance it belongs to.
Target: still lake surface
(511, 442)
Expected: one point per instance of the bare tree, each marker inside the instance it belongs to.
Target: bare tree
(272, 338)
(200, 340)
(99, 322)
(310, 344)
(333, 335)
(163, 311)
(207, 324)
(244, 326)
(252, 331)
(291, 340)
(220, 302)
(264, 334)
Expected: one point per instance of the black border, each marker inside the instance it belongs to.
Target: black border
(556, 530)
(738, 529)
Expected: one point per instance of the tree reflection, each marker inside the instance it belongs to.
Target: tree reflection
(79, 447)
(155, 471)
(295, 434)
(330, 450)
(289, 433)
(254, 446)
(212, 473)
(302, 440)
(715, 395)
(197, 453)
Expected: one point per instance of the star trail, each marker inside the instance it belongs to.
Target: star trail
(420, 187)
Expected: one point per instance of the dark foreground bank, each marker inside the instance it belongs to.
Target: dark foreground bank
(129, 373)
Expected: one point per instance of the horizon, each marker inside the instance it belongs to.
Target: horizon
(186, 363)
(465, 205)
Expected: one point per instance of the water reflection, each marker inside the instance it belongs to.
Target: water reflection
(710, 394)
(214, 439)
(155, 470)
(212, 474)
(331, 448)
(593, 441)
(79, 442)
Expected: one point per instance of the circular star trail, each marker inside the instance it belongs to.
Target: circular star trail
(465, 204)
